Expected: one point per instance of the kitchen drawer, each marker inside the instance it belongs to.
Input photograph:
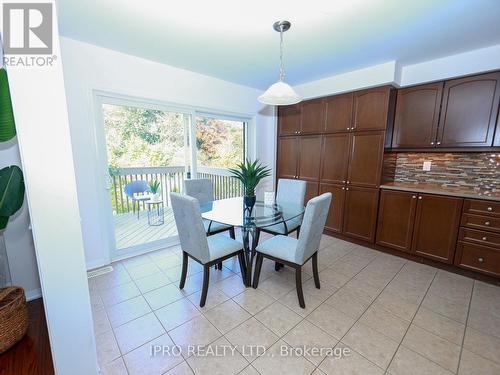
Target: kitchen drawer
(478, 258)
(480, 237)
(488, 223)
(480, 207)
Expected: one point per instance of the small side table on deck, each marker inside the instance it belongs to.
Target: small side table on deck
(156, 212)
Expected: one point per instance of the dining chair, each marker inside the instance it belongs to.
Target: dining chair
(203, 190)
(137, 187)
(296, 252)
(195, 244)
(289, 191)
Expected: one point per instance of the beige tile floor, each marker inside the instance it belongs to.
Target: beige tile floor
(395, 316)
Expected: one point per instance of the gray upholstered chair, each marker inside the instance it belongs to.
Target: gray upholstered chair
(203, 190)
(196, 245)
(289, 191)
(296, 252)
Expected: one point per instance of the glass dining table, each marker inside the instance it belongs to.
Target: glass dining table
(232, 211)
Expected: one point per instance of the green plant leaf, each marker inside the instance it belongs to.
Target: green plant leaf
(7, 125)
(250, 174)
(11, 192)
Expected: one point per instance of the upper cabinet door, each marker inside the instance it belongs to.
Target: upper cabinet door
(339, 113)
(371, 108)
(470, 108)
(288, 156)
(417, 116)
(309, 158)
(289, 119)
(365, 159)
(335, 158)
(313, 117)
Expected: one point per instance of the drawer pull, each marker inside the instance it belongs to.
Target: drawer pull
(490, 209)
(414, 197)
(480, 259)
(486, 223)
(485, 238)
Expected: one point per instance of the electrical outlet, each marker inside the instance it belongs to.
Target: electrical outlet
(427, 166)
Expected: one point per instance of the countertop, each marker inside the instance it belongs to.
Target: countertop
(461, 192)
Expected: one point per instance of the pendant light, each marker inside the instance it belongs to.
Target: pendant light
(280, 93)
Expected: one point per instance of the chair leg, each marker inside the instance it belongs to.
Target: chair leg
(232, 234)
(258, 266)
(298, 282)
(257, 236)
(243, 269)
(219, 266)
(315, 269)
(204, 291)
(185, 260)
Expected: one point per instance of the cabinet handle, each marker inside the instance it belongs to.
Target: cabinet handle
(490, 209)
(420, 198)
(343, 188)
(414, 197)
(348, 182)
(432, 143)
(480, 259)
(343, 181)
(485, 238)
(348, 128)
(347, 188)
(438, 143)
(486, 223)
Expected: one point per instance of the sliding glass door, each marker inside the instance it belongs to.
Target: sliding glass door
(149, 151)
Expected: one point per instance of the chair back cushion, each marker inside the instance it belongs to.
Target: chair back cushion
(190, 226)
(291, 191)
(312, 227)
(134, 187)
(201, 189)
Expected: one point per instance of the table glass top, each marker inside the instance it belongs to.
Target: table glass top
(232, 211)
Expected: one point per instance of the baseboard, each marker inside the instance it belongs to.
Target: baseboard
(96, 264)
(33, 294)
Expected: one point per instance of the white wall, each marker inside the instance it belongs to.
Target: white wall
(18, 239)
(40, 112)
(86, 68)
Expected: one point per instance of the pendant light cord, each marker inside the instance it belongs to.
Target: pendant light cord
(282, 71)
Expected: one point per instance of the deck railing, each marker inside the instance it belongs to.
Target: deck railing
(171, 180)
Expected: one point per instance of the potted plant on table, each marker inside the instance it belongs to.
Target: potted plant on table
(250, 174)
(154, 187)
(13, 311)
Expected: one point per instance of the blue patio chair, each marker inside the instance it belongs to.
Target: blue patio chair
(137, 187)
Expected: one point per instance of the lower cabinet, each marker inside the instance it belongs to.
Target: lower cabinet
(311, 191)
(336, 212)
(396, 219)
(422, 224)
(484, 259)
(436, 226)
(360, 213)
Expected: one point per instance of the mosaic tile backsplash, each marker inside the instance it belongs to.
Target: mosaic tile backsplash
(477, 171)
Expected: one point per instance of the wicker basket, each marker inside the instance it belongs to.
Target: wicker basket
(13, 316)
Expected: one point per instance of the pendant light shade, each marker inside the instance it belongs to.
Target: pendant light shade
(280, 93)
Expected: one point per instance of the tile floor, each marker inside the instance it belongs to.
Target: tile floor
(395, 316)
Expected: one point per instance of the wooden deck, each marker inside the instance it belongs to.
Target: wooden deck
(130, 231)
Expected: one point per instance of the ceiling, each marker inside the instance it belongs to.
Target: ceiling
(234, 40)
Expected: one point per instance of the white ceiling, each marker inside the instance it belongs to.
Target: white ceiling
(234, 40)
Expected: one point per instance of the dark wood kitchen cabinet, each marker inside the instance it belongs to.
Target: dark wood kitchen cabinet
(469, 111)
(300, 158)
(339, 113)
(396, 218)
(335, 158)
(360, 213)
(371, 109)
(288, 156)
(336, 213)
(417, 116)
(366, 153)
(313, 117)
(289, 119)
(437, 220)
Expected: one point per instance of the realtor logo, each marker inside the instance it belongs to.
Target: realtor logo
(27, 28)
